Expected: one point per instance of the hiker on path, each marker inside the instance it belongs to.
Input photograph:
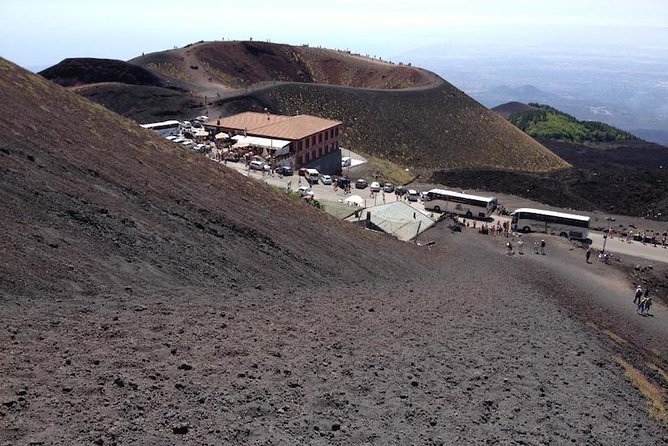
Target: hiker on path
(542, 247)
(638, 296)
(588, 254)
(647, 304)
(641, 306)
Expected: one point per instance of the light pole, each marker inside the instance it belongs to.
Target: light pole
(607, 232)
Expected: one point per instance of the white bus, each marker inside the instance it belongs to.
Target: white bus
(470, 206)
(165, 128)
(539, 220)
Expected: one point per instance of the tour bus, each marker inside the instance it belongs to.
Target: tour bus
(539, 220)
(166, 128)
(470, 206)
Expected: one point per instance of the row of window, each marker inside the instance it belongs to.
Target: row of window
(315, 154)
(311, 141)
(553, 219)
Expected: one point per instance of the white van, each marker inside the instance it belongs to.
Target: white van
(312, 176)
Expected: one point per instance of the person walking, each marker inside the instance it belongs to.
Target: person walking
(520, 246)
(647, 304)
(535, 247)
(510, 248)
(542, 247)
(588, 254)
(641, 305)
(638, 295)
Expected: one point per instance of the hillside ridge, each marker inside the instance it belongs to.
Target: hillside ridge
(92, 204)
(395, 112)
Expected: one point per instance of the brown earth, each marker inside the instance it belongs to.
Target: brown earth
(91, 181)
(236, 64)
(152, 296)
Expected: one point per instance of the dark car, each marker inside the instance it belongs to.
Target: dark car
(388, 187)
(361, 184)
(283, 170)
(400, 190)
(342, 182)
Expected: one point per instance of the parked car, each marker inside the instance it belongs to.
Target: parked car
(388, 187)
(305, 191)
(202, 118)
(346, 161)
(302, 171)
(413, 195)
(231, 156)
(284, 170)
(326, 180)
(375, 187)
(259, 165)
(361, 184)
(342, 182)
(400, 190)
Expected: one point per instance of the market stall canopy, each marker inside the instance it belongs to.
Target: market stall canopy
(222, 135)
(278, 146)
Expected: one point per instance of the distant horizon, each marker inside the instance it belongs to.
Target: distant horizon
(44, 32)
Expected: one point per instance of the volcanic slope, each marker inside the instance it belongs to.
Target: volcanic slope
(144, 94)
(237, 64)
(81, 71)
(396, 112)
(92, 203)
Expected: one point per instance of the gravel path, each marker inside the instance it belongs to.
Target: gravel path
(484, 349)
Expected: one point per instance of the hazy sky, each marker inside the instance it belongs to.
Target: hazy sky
(43, 32)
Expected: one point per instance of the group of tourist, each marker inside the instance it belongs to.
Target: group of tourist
(643, 300)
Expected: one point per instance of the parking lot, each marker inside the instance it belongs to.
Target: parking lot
(321, 192)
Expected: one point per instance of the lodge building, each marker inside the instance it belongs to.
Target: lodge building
(314, 141)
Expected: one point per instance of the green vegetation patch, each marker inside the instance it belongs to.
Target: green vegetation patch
(549, 123)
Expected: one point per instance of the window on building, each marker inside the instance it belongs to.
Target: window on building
(319, 137)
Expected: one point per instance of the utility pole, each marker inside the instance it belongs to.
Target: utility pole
(607, 233)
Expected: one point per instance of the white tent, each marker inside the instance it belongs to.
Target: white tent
(355, 200)
(280, 146)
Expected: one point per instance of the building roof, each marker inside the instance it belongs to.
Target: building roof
(398, 219)
(275, 126)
